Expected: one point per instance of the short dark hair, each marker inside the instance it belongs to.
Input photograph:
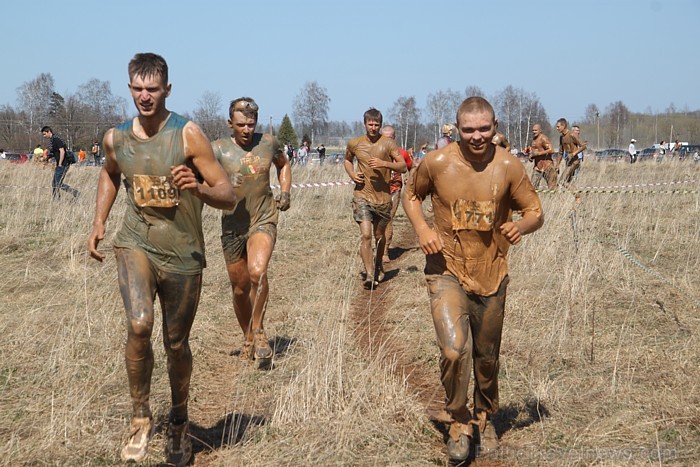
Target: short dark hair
(44, 129)
(245, 105)
(372, 114)
(563, 122)
(148, 65)
(475, 104)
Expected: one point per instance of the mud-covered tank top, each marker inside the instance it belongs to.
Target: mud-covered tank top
(170, 236)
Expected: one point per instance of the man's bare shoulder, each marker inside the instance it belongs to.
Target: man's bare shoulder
(506, 159)
(445, 155)
(192, 130)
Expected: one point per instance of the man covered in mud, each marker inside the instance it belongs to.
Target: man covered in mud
(474, 186)
(376, 157)
(540, 152)
(169, 171)
(395, 187)
(249, 232)
(569, 148)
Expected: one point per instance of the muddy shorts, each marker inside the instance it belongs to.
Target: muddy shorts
(235, 245)
(363, 210)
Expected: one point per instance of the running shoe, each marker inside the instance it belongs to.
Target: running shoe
(178, 447)
(136, 448)
(459, 440)
(262, 345)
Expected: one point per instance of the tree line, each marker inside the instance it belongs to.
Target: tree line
(84, 116)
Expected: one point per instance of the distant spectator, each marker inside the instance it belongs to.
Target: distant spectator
(57, 150)
(676, 148)
(632, 151)
(302, 154)
(321, 153)
(95, 151)
(81, 155)
(38, 153)
(421, 154)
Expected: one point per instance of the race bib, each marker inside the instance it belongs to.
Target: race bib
(473, 215)
(155, 191)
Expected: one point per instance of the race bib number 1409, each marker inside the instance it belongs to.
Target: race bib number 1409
(155, 191)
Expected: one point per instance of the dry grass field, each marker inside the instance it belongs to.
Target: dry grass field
(600, 357)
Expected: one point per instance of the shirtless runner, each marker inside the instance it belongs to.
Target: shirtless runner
(540, 152)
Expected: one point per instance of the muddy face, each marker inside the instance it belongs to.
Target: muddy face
(243, 128)
(476, 130)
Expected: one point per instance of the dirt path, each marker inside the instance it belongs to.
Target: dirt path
(374, 329)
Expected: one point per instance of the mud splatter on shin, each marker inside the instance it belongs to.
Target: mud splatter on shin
(179, 298)
(137, 288)
(448, 303)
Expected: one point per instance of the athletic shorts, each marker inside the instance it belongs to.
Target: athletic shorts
(363, 210)
(235, 245)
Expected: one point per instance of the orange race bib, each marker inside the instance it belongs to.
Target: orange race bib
(473, 215)
(155, 191)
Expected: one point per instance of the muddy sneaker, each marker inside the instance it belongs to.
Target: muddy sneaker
(262, 345)
(178, 447)
(246, 352)
(488, 439)
(136, 448)
(458, 441)
(379, 276)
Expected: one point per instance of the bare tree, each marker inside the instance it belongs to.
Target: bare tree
(405, 115)
(616, 117)
(592, 113)
(33, 98)
(208, 115)
(472, 90)
(103, 109)
(442, 108)
(311, 108)
(11, 128)
(516, 111)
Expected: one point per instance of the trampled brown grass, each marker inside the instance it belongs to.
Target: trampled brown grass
(600, 356)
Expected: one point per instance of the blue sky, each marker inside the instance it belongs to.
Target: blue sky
(366, 53)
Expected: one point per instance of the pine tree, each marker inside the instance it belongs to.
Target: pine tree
(286, 133)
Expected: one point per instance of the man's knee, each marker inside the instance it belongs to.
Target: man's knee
(454, 351)
(177, 346)
(365, 236)
(256, 271)
(140, 329)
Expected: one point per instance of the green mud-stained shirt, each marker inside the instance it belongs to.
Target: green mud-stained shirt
(170, 236)
(256, 205)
